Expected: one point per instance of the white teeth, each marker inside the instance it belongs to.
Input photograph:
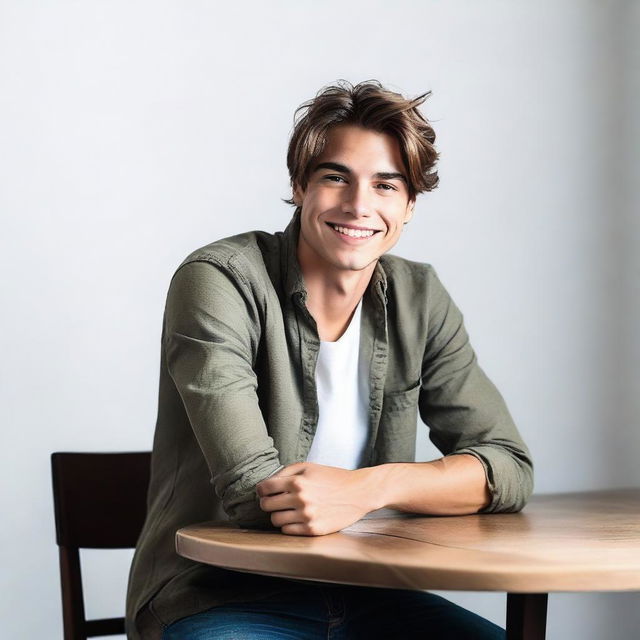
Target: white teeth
(354, 233)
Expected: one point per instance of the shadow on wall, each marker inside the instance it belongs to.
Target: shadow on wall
(619, 318)
(620, 436)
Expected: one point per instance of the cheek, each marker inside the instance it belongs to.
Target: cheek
(394, 231)
(311, 208)
(392, 225)
(321, 203)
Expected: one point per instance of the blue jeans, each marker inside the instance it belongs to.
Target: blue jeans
(337, 612)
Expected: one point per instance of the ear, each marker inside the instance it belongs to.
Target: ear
(298, 195)
(409, 213)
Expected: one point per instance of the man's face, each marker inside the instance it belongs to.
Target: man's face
(356, 201)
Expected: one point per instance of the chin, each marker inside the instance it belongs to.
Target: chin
(357, 265)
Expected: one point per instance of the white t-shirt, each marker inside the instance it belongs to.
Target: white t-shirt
(342, 382)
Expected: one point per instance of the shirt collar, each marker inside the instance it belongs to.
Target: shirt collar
(294, 281)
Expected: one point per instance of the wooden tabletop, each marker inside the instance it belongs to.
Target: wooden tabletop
(563, 542)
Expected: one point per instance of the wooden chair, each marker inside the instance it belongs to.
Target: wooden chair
(100, 503)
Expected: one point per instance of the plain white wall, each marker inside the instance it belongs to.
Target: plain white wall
(133, 132)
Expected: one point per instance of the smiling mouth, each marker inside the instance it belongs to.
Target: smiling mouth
(353, 233)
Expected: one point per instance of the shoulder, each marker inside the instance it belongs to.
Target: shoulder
(248, 247)
(245, 256)
(227, 278)
(409, 277)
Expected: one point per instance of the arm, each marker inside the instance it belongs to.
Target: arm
(457, 485)
(210, 335)
(486, 466)
(464, 410)
(312, 499)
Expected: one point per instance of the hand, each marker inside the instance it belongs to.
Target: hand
(308, 499)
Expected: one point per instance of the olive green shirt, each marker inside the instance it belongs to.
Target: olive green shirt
(237, 401)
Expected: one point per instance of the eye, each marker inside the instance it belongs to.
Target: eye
(334, 178)
(383, 186)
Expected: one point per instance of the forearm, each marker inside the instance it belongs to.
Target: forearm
(453, 485)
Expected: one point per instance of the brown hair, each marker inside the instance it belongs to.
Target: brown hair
(367, 104)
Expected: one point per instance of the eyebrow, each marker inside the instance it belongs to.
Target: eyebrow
(380, 175)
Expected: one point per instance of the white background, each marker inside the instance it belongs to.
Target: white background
(133, 132)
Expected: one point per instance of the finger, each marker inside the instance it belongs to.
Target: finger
(280, 501)
(297, 529)
(288, 516)
(263, 487)
(276, 485)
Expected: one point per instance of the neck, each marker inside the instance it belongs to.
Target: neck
(332, 294)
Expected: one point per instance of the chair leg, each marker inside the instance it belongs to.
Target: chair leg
(526, 616)
(72, 599)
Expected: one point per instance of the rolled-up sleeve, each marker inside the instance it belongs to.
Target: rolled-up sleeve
(211, 336)
(464, 410)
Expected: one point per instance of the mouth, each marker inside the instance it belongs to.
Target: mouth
(357, 233)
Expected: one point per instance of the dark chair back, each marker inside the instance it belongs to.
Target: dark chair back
(100, 503)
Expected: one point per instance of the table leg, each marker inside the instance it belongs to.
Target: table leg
(526, 616)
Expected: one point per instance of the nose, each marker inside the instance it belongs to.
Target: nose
(357, 200)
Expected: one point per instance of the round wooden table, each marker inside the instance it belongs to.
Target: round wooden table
(563, 542)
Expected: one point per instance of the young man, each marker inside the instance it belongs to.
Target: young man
(293, 368)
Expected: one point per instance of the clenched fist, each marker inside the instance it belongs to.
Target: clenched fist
(308, 499)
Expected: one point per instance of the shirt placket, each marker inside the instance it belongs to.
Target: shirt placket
(309, 349)
(375, 342)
